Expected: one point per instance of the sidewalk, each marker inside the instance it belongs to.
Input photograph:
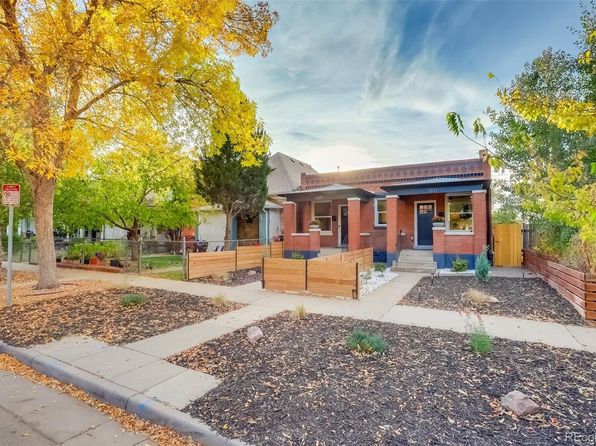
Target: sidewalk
(379, 305)
(32, 414)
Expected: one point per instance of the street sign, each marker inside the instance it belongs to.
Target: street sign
(11, 194)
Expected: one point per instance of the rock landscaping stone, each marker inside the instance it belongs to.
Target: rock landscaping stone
(252, 272)
(523, 298)
(253, 334)
(520, 404)
(304, 387)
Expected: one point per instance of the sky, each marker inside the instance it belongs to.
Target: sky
(358, 84)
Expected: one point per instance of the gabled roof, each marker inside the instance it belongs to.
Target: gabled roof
(287, 172)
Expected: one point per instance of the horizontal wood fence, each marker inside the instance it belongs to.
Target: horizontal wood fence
(324, 278)
(364, 257)
(203, 264)
(577, 287)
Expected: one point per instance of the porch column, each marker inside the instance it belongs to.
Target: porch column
(353, 224)
(391, 228)
(289, 220)
(480, 219)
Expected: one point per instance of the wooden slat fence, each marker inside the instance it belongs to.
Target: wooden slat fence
(203, 264)
(364, 257)
(323, 278)
(577, 287)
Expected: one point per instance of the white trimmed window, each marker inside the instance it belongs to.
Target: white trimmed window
(322, 213)
(459, 213)
(380, 212)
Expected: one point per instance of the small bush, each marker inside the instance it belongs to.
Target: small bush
(480, 341)
(380, 267)
(219, 300)
(297, 255)
(459, 265)
(365, 342)
(483, 266)
(133, 299)
(300, 312)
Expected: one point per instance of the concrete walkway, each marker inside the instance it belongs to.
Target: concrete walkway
(36, 415)
(379, 305)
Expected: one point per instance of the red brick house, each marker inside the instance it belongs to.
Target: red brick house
(392, 208)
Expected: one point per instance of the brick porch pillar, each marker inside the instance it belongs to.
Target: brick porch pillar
(480, 217)
(353, 224)
(289, 220)
(391, 228)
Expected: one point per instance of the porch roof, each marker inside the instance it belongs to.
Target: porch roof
(333, 191)
(437, 185)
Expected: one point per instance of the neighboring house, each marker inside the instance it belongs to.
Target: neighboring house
(392, 208)
(286, 175)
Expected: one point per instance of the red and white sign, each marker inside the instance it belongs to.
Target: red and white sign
(11, 194)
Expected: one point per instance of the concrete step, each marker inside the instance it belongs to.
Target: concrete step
(415, 267)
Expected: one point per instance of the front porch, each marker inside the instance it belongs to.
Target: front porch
(447, 216)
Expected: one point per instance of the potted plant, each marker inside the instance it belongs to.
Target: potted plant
(438, 221)
(315, 224)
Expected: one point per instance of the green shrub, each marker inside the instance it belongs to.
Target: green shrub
(480, 341)
(459, 265)
(380, 267)
(365, 342)
(483, 266)
(297, 255)
(133, 299)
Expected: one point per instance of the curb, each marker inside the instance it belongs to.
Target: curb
(119, 396)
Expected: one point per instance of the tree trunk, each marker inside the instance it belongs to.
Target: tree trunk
(133, 237)
(43, 208)
(227, 231)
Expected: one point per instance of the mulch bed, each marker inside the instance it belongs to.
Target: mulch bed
(101, 315)
(522, 298)
(301, 385)
(233, 278)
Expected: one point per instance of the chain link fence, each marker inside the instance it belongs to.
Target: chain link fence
(157, 258)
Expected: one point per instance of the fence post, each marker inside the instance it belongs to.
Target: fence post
(306, 275)
(30, 243)
(184, 259)
(236, 258)
(140, 259)
(263, 272)
(357, 282)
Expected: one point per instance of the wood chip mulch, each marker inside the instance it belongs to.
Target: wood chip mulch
(522, 298)
(163, 436)
(233, 278)
(101, 315)
(301, 385)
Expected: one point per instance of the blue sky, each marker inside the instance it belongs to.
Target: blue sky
(360, 84)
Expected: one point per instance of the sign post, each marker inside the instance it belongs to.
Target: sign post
(11, 197)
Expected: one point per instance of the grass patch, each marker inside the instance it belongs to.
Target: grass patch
(165, 261)
(480, 341)
(172, 275)
(300, 312)
(365, 342)
(380, 267)
(220, 300)
(478, 297)
(133, 299)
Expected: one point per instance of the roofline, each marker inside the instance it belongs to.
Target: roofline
(404, 166)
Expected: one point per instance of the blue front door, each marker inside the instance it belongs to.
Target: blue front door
(424, 226)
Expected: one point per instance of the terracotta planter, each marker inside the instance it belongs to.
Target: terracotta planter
(93, 261)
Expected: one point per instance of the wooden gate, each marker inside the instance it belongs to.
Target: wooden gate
(507, 244)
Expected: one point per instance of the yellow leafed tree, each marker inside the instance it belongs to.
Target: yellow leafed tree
(80, 76)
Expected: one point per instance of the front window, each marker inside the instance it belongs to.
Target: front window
(459, 213)
(380, 212)
(322, 213)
